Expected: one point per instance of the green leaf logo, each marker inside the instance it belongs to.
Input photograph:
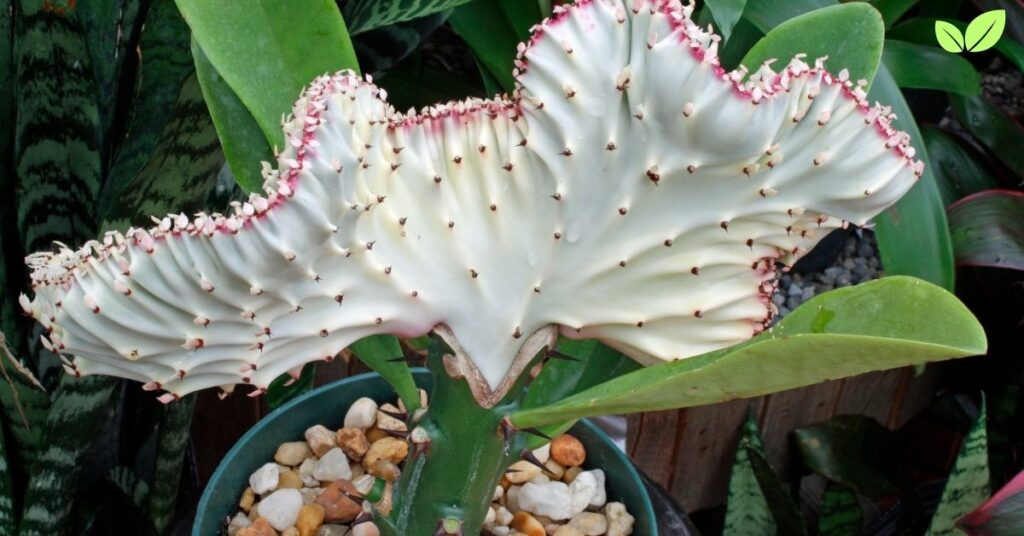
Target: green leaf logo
(982, 33)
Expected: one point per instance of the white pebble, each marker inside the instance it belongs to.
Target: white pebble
(332, 466)
(306, 473)
(292, 453)
(589, 523)
(620, 523)
(551, 499)
(502, 517)
(264, 479)
(365, 529)
(239, 522)
(543, 454)
(582, 491)
(362, 414)
(281, 508)
(600, 493)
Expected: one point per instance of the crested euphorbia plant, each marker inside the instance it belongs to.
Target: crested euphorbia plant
(630, 191)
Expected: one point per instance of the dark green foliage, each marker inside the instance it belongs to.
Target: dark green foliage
(840, 514)
(852, 450)
(173, 436)
(968, 484)
(365, 15)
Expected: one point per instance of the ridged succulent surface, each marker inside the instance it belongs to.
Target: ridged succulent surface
(630, 190)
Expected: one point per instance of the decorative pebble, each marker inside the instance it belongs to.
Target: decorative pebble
(247, 500)
(306, 473)
(333, 465)
(309, 495)
(365, 529)
(568, 530)
(332, 530)
(311, 516)
(387, 422)
(582, 491)
(385, 469)
(239, 522)
(390, 449)
(589, 523)
(551, 499)
(337, 507)
(289, 479)
(281, 508)
(290, 531)
(260, 527)
(264, 479)
(620, 522)
(521, 471)
(568, 451)
(362, 414)
(353, 442)
(543, 454)
(320, 440)
(292, 453)
(527, 524)
(502, 517)
(600, 492)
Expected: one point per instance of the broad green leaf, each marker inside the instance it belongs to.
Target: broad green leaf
(988, 229)
(1002, 515)
(968, 484)
(888, 323)
(164, 43)
(267, 50)
(594, 363)
(244, 145)
(285, 388)
(746, 509)
(852, 450)
(858, 48)
(949, 37)
(8, 515)
(926, 67)
(381, 49)
(892, 10)
(992, 127)
(744, 36)
(109, 28)
(767, 14)
(920, 31)
(985, 30)
(365, 15)
(840, 513)
(377, 352)
(726, 14)
(175, 423)
(957, 170)
(913, 236)
(491, 35)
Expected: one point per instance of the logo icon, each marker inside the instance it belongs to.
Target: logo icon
(982, 33)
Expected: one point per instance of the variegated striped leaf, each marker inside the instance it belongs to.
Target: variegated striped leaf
(364, 15)
(174, 431)
(968, 485)
(109, 28)
(25, 404)
(8, 517)
(747, 512)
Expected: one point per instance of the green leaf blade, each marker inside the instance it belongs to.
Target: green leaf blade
(377, 352)
(747, 512)
(949, 37)
(926, 67)
(968, 484)
(841, 514)
(985, 30)
(988, 229)
(365, 15)
(726, 14)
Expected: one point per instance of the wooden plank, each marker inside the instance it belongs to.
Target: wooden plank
(870, 394)
(218, 424)
(656, 444)
(786, 410)
(917, 391)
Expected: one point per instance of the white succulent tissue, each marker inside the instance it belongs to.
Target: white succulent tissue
(629, 190)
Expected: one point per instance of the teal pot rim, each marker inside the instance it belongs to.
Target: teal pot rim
(259, 443)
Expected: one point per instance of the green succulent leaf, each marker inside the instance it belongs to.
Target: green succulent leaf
(378, 353)
(492, 29)
(858, 48)
(873, 326)
(958, 171)
(926, 67)
(949, 37)
(726, 14)
(892, 10)
(285, 388)
(993, 128)
(767, 14)
(854, 451)
(985, 30)
(267, 51)
(921, 30)
(130, 484)
(988, 229)
(365, 15)
(175, 424)
(841, 514)
(968, 484)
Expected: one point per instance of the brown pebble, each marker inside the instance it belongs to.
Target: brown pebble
(353, 443)
(568, 451)
(260, 527)
(247, 500)
(289, 479)
(311, 516)
(527, 524)
(337, 507)
(385, 469)
(391, 449)
(320, 440)
(375, 434)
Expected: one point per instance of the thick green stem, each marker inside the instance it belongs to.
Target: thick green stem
(455, 477)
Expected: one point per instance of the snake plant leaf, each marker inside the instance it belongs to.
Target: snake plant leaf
(747, 512)
(1002, 515)
(164, 44)
(968, 485)
(993, 127)
(988, 229)
(365, 15)
(726, 14)
(840, 514)
(8, 513)
(985, 30)
(926, 67)
(871, 326)
(109, 29)
(264, 50)
(959, 171)
(25, 404)
(857, 49)
(377, 222)
(175, 424)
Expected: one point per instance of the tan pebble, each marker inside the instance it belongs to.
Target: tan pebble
(365, 529)
(320, 440)
(292, 454)
(338, 507)
(554, 469)
(620, 522)
(290, 531)
(260, 527)
(353, 442)
(527, 524)
(309, 495)
(568, 451)
(385, 469)
(499, 492)
(387, 422)
(571, 473)
(391, 449)
(311, 516)
(567, 530)
(247, 500)
(289, 479)
(521, 471)
(375, 434)
(590, 523)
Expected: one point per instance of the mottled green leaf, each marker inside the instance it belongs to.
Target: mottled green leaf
(175, 423)
(364, 15)
(887, 323)
(840, 514)
(747, 512)
(949, 37)
(25, 404)
(913, 236)
(268, 50)
(8, 515)
(130, 484)
(109, 28)
(858, 48)
(853, 450)
(985, 30)
(166, 63)
(992, 127)
(1002, 515)
(726, 14)
(968, 484)
(926, 67)
(988, 229)
(414, 85)
(379, 352)
(958, 172)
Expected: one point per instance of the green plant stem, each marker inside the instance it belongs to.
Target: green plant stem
(455, 478)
